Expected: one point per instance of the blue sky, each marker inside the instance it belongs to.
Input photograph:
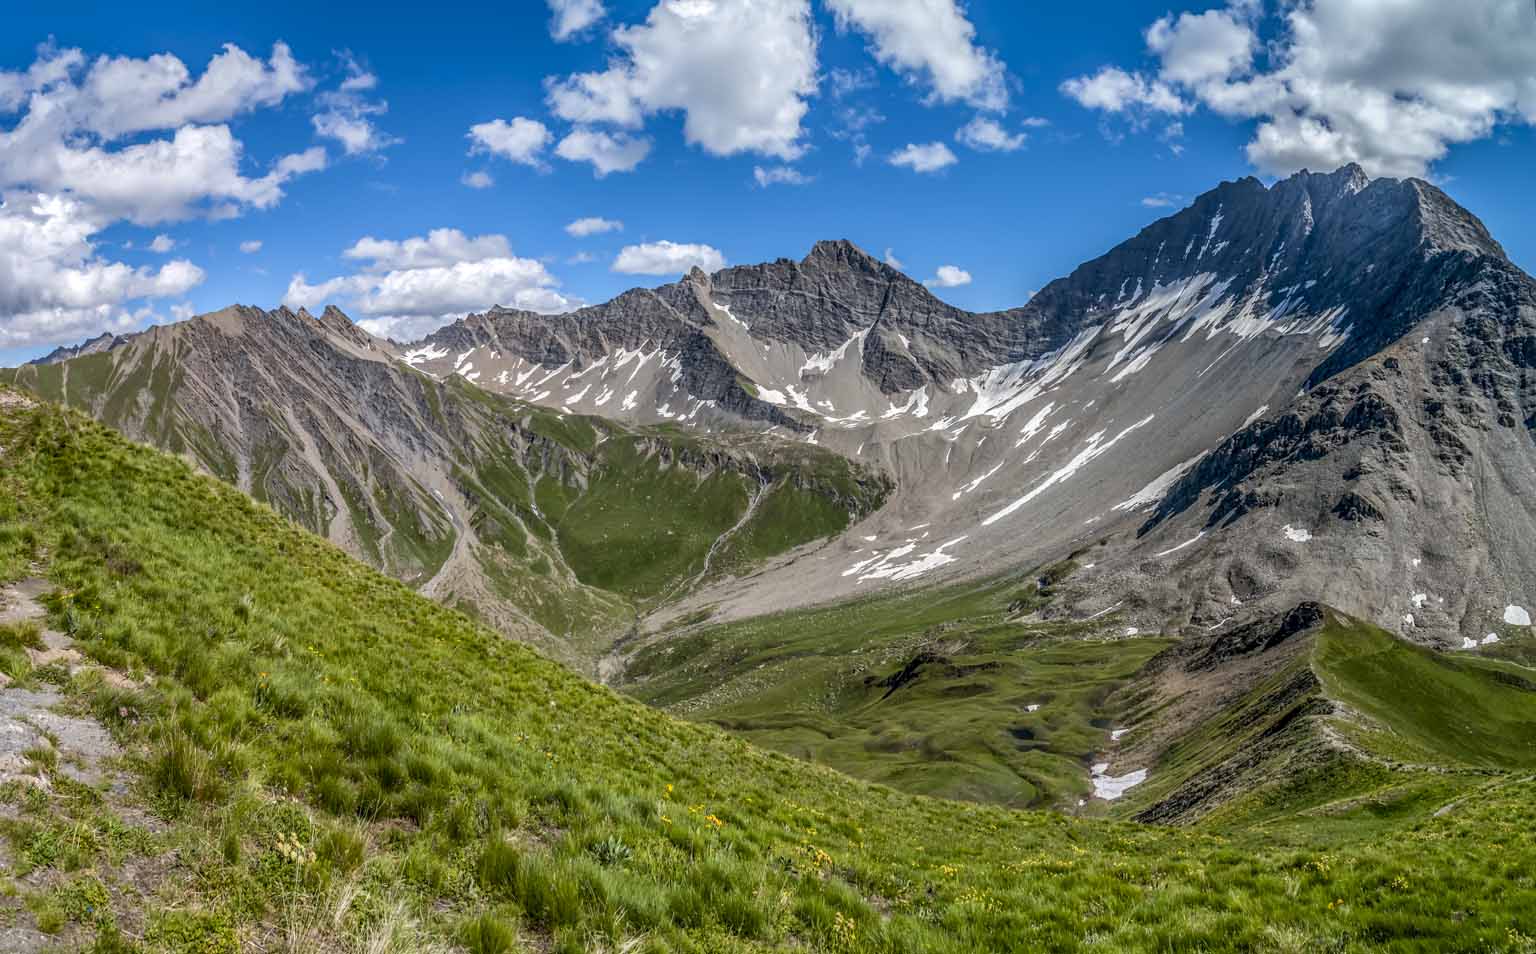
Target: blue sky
(1101, 118)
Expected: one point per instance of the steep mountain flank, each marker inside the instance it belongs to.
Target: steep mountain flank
(1401, 489)
(555, 528)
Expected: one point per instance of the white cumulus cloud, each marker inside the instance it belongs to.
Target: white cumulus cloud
(593, 225)
(477, 180)
(988, 135)
(55, 286)
(571, 17)
(667, 258)
(740, 72)
(949, 276)
(119, 95)
(766, 176)
(86, 143)
(406, 288)
(347, 116)
(1391, 84)
(930, 42)
(438, 247)
(1113, 90)
(251, 246)
(608, 153)
(930, 157)
(520, 140)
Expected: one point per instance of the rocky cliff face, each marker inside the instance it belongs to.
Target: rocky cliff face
(1403, 487)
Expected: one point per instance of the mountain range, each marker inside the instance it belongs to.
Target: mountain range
(1229, 532)
(1310, 390)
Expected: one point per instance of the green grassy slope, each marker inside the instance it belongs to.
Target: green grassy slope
(1351, 730)
(928, 690)
(316, 730)
(579, 523)
(1422, 706)
(931, 691)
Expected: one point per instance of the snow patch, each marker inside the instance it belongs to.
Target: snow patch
(1004, 389)
(1153, 492)
(1255, 415)
(1034, 425)
(726, 310)
(978, 481)
(1110, 787)
(890, 567)
(917, 405)
(1104, 612)
(823, 363)
(423, 354)
(1296, 534)
(1209, 236)
(1516, 616)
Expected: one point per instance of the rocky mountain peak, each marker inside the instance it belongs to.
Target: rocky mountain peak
(841, 253)
(1345, 180)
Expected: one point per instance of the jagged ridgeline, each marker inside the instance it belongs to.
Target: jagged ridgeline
(553, 527)
(335, 763)
(1282, 393)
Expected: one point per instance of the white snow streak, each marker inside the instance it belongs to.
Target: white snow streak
(1090, 452)
(1187, 543)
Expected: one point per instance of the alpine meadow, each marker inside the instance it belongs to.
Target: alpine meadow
(1103, 520)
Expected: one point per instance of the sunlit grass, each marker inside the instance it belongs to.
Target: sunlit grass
(345, 760)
